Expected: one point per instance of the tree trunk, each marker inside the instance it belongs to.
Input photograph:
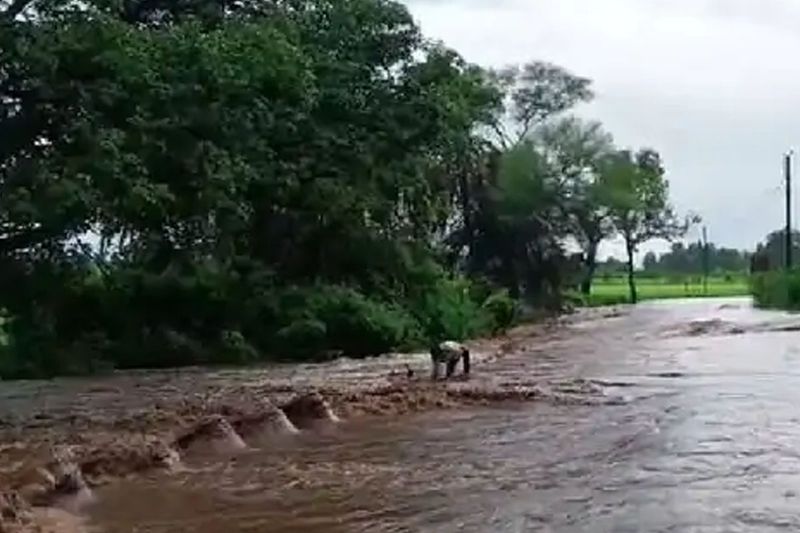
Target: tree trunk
(631, 281)
(591, 266)
(465, 199)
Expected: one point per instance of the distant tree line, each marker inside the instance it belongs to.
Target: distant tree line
(226, 181)
(689, 259)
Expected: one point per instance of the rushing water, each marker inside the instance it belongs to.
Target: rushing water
(706, 439)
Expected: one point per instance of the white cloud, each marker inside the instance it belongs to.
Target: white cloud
(714, 85)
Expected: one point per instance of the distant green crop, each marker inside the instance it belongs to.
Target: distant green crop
(615, 290)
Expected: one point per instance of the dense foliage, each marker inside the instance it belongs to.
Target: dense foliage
(776, 289)
(223, 182)
(771, 284)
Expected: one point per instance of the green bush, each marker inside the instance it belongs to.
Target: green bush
(197, 314)
(776, 290)
(502, 309)
(160, 347)
(360, 326)
(482, 289)
(302, 339)
(234, 349)
(33, 352)
(329, 317)
(448, 311)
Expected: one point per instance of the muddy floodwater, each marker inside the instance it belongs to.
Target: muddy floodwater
(679, 416)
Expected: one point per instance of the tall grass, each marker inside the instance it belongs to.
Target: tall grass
(776, 290)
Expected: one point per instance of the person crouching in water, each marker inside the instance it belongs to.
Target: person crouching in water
(449, 353)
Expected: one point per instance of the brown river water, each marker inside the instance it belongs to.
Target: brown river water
(693, 425)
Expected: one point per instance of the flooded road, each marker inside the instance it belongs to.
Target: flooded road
(674, 416)
(705, 437)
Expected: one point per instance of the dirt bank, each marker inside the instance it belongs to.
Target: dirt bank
(62, 438)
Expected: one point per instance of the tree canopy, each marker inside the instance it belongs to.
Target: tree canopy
(639, 203)
(771, 253)
(222, 181)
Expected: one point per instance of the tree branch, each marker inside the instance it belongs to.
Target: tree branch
(133, 11)
(501, 135)
(15, 8)
(26, 239)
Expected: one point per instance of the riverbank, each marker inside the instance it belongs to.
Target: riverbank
(61, 439)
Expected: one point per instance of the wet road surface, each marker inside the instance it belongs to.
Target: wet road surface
(705, 437)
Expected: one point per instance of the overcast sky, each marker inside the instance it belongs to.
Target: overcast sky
(714, 85)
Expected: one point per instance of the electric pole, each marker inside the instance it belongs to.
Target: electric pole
(788, 171)
(705, 261)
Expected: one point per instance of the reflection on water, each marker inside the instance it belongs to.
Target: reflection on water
(708, 440)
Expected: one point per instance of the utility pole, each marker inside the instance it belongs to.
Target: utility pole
(706, 265)
(788, 171)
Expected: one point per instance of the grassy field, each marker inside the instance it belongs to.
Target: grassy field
(611, 291)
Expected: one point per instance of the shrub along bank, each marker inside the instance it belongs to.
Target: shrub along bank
(133, 319)
(776, 289)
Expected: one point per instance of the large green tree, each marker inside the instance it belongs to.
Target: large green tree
(577, 149)
(532, 93)
(210, 155)
(639, 203)
(519, 248)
